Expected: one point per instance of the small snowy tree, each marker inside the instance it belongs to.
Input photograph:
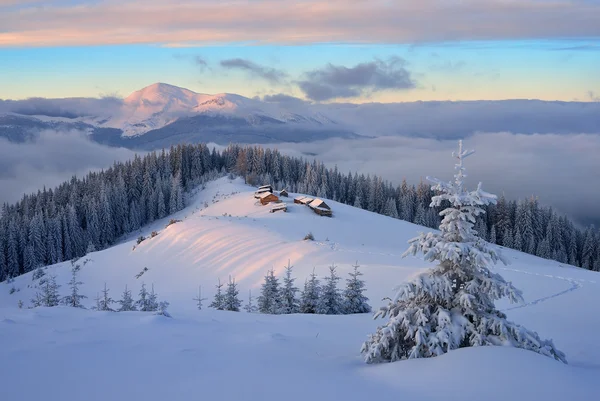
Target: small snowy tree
(161, 309)
(250, 307)
(105, 301)
(289, 301)
(331, 301)
(38, 273)
(452, 305)
(199, 298)
(354, 299)
(309, 299)
(127, 303)
(269, 300)
(152, 300)
(143, 304)
(219, 301)
(74, 299)
(49, 296)
(232, 302)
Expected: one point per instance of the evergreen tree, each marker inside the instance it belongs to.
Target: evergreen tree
(127, 303)
(309, 299)
(219, 301)
(354, 299)
(331, 301)
(269, 300)
(289, 301)
(49, 296)
(390, 208)
(105, 301)
(199, 298)
(250, 307)
(144, 303)
(493, 238)
(161, 309)
(452, 305)
(74, 299)
(153, 303)
(231, 301)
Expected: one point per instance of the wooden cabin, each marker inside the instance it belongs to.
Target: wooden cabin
(320, 207)
(279, 208)
(283, 192)
(303, 200)
(262, 190)
(267, 197)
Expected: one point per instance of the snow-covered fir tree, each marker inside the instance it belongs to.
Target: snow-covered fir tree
(391, 209)
(289, 299)
(143, 304)
(38, 273)
(153, 303)
(354, 299)
(219, 300)
(269, 300)
(309, 299)
(250, 307)
(231, 301)
(199, 300)
(105, 301)
(74, 298)
(452, 305)
(330, 300)
(161, 309)
(127, 303)
(49, 295)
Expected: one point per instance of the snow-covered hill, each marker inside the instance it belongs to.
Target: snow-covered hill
(82, 354)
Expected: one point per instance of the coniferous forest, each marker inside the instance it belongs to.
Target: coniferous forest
(93, 212)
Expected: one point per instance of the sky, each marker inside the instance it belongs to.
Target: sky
(351, 50)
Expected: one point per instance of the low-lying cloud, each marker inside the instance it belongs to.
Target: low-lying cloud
(49, 160)
(333, 81)
(562, 170)
(67, 108)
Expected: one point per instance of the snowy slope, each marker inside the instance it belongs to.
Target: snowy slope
(295, 357)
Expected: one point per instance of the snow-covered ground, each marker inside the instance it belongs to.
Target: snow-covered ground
(69, 354)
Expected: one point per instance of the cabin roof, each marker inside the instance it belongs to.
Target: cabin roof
(319, 204)
(265, 186)
(266, 194)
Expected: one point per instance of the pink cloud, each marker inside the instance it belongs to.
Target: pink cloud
(186, 22)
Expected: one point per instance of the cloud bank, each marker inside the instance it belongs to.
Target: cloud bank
(53, 158)
(189, 23)
(269, 74)
(562, 170)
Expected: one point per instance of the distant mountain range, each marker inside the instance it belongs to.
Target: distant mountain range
(161, 115)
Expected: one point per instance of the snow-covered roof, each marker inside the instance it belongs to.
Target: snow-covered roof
(263, 190)
(318, 204)
(265, 186)
(265, 194)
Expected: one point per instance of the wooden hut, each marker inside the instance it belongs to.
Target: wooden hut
(262, 190)
(320, 207)
(267, 197)
(283, 192)
(280, 207)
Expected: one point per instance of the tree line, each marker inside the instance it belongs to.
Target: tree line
(93, 212)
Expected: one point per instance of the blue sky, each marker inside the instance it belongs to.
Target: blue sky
(94, 48)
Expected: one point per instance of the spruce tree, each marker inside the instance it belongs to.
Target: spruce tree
(49, 296)
(199, 298)
(105, 301)
(143, 304)
(74, 299)
(127, 303)
(153, 303)
(452, 305)
(250, 307)
(289, 301)
(231, 301)
(354, 299)
(309, 300)
(331, 301)
(269, 300)
(219, 301)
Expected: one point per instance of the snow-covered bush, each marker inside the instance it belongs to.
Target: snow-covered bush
(452, 305)
(309, 237)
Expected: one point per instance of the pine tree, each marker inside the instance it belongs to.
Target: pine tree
(49, 297)
(153, 303)
(452, 305)
(219, 301)
(354, 299)
(390, 208)
(143, 304)
(105, 301)
(231, 301)
(250, 307)
(269, 300)
(161, 309)
(493, 238)
(331, 301)
(74, 299)
(289, 301)
(127, 303)
(199, 298)
(309, 300)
